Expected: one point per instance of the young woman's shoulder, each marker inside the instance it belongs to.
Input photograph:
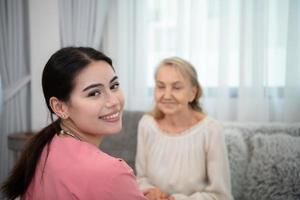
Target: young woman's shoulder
(86, 159)
(90, 173)
(115, 178)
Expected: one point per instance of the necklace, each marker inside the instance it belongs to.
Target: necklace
(64, 132)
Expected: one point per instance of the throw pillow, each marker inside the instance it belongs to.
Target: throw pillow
(274, 168)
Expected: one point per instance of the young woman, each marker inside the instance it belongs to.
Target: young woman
(63, 160)
(181, 152)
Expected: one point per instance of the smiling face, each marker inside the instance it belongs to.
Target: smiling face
(173, 91)
(96, 102)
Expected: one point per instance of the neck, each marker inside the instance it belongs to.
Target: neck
(68, 133)
(185, 118)
(71, 130)
(180, 121)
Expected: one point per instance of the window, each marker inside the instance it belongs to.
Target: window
(230, 44)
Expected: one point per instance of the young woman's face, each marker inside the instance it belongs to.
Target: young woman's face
(173, 91)
(96, 102)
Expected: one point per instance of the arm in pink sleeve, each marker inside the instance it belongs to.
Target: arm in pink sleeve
(123, 185)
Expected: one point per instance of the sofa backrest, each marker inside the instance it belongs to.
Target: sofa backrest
(264, 158)
(123, 144)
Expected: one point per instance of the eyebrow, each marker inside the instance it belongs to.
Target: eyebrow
(99, 84)
(174, 83)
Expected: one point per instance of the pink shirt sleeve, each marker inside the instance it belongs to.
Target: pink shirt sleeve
(123, 185)
(114, 180)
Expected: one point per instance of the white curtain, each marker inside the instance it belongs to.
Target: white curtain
(246, 53)
(82, 22)
(124, 40)
(14, 69)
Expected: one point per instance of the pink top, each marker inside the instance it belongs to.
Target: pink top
(79, 170)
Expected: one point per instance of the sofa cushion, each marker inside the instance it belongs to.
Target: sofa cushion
(238, 159)
(274, 168)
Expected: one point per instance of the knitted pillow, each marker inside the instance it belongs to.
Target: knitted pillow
(238, 160)
(274, 168)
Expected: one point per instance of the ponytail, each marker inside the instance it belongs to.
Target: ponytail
(24, 170)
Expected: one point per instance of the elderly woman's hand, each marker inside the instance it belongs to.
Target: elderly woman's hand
(157, 194)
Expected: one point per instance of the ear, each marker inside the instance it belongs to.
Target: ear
(59, 107)
(193, 94)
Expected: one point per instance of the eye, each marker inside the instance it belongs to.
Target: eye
(115, 86)
(160, 86)
(94, 93)
(177, 88)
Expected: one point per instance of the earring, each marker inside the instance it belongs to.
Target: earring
(63, 116)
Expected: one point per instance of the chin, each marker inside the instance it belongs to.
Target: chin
(167, 111)
(113, 130)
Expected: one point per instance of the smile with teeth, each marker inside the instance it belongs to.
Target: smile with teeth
(113, 116)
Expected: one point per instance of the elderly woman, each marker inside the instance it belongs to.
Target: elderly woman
(181, 151)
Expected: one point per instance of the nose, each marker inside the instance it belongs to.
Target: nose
(167, 93)
(111, 99)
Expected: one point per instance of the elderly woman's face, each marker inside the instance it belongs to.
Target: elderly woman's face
(173, 91)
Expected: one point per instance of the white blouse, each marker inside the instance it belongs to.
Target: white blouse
(190, 165)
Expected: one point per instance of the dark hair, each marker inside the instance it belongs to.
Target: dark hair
(57, 81)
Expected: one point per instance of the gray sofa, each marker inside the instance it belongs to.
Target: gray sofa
(264, 158)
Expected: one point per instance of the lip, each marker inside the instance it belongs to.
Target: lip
(111, 117)
(168, 102)
(167, 105)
